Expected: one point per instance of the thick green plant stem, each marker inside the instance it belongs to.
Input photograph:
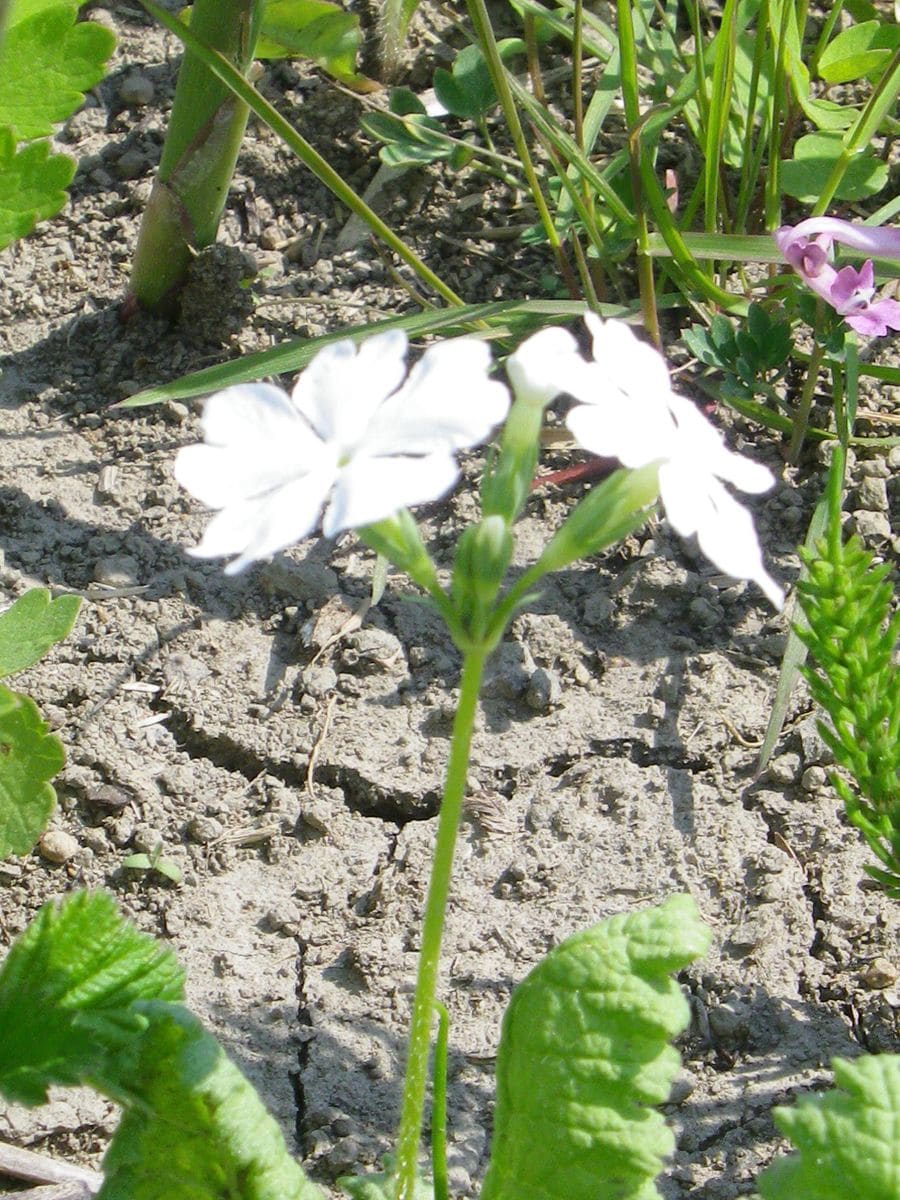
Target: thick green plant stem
(433, 925)
(205, 133)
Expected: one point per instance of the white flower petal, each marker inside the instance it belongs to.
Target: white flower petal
(725, 531)
(539, 368)
(448, 402)
(371, 489)
(633, 429)
(685, 494)
(344, 385)
(260, 527)
(629, 364)
(700, 440)
(255, 441)
(248, 410)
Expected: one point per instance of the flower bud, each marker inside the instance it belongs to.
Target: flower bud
(482, 557)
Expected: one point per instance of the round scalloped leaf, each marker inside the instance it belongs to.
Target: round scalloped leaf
(47, 62)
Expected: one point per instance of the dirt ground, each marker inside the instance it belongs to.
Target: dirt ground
(294, 776)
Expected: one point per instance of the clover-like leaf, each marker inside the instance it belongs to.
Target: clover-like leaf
(32, 185)
(848, 1139)
(32, 625)
(67, 988)
(194, 1128)
(29, 758)
(47, 62)
(585, 1049)
(861, 51)
(805, 175)
(467, 89)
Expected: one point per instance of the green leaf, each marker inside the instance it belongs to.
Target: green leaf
(512, 318)
(815, 155)
(467, 90)
(66, 990)
(32, 185)
(47, 62)
(382, 1185)
(313, 29)
(584, 1050)
(194, 1128)
(848, 1139)
(859, 52)
(32, 625)
(153, 862)
(29, 757)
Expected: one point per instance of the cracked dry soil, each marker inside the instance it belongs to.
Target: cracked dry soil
(290, 760)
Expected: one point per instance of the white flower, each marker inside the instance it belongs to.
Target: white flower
(628, 411)
(356, 438)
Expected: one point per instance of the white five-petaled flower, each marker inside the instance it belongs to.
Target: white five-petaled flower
(627, 410)
(355, 442)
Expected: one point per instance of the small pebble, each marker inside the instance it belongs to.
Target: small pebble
(204, 830)
(683, 1087)
(872, 495)
(120, 570)
(318, 681)
(137, 89)
(784, 769)
(131, 164)
(57, 846)
(870, 526)
(813, 779)
(879, 974)
(543, 691)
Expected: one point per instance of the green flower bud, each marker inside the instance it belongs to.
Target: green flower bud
(608, 513)
(483, 554)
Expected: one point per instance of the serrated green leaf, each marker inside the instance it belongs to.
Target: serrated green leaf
(32, 185)
(194, 1128)
(47, 62)
(29, 757)
(815, 155)
(32, 625)
(66, 991)
(848, 1139)
(584, 1050)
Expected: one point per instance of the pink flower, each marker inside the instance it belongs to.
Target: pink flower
(850, 292)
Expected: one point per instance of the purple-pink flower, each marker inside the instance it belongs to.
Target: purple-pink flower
(850, 292)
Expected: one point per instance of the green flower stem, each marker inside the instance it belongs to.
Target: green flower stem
(804, 405)
(413, 1104)
(202, 144)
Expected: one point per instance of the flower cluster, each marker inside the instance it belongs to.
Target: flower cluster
(850, 292)
(358, 440)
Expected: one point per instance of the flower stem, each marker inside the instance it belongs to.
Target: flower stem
(801, 416)
(433, 925)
